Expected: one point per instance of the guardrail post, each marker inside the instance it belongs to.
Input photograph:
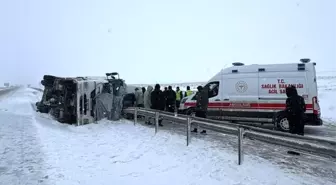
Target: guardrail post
(240, 145)
(188, 130)
(156, 121)
(135, 115)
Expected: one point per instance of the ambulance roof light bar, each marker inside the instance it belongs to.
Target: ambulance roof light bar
(237, 64)
(305, 60)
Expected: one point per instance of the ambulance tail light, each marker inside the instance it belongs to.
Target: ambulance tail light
(316, 106)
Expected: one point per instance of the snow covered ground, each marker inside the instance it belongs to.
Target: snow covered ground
(5, 88)
(327, 97)
(34, 149)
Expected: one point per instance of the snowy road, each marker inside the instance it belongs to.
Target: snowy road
(4, 92)
(21, 158)
(37, 150)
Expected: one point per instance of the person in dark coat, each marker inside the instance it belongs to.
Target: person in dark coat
(143, 90)
(157, 100)
(202, 101)
(129, 101)
(165, 94)
(171, 99)
(295, 109)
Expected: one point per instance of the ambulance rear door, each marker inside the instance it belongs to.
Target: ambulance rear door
(272, 86)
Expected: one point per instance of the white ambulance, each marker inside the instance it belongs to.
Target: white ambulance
(256, 93)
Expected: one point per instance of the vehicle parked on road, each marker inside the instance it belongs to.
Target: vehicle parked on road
(256, 93)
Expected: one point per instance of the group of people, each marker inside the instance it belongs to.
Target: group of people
(167, 100)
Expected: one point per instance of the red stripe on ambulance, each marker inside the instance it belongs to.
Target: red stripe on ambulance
(229, 105)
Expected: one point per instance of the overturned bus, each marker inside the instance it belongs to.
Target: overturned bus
(82, 100)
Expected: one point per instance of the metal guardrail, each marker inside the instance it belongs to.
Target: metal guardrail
(37, 89)
(320, 147)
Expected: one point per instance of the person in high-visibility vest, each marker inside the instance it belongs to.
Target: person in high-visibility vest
(188, 92)
(179, 96)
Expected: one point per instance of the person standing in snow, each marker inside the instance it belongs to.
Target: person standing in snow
(171, 99)
(147, 101)
(128, 101)
(188, 92)
(179, 97)
(295, 109)
(165, 94)
(202, 101)
(158, 100)
(139, 97)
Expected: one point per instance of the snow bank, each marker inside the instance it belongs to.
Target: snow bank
(327, 97)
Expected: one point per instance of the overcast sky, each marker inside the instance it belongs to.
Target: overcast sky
(153, 41)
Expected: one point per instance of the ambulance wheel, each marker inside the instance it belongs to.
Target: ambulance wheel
(281, 122)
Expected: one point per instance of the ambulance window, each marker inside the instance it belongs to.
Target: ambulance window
(213, 88)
